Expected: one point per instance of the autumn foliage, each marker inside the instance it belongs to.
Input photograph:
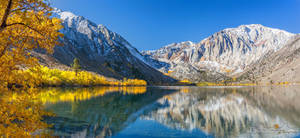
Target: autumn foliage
(20, 115)
(24, 26)
(44, 76)
(59, 94)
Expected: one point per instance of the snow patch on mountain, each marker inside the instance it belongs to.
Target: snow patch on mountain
(86, 27)
(229, 51)
(101, 50)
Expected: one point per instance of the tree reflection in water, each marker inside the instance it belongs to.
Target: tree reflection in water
(221, 112)
(20, 116)
(101, 111)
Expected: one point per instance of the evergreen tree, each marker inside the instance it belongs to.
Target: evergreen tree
(76, 65)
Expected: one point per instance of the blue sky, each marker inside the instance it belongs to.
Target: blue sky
(151, 24)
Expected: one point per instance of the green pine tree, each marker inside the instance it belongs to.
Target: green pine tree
(76, 65)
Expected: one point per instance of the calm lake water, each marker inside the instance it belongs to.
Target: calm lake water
(174, 111)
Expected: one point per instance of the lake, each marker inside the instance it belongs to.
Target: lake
(173, 111)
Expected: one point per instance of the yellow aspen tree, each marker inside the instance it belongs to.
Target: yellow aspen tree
(24, 26)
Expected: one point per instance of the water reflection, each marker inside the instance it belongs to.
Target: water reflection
(234, 112)
(178, 111)
(91, 112)
(20, 116)
(54, 95)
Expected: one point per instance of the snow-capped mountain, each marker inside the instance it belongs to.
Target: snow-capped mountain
(101, 37)
(280, 66)
(101, 50)
(224, 54)
(227, 52)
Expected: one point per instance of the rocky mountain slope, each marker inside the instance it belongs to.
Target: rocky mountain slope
(247, 52)
(280, 66)
(223, 54)
(99, 50)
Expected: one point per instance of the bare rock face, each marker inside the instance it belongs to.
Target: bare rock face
(225, 53)
(250, 52)
(101, 50)
(280, 66)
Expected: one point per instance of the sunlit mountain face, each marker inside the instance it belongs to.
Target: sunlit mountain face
(174, 112)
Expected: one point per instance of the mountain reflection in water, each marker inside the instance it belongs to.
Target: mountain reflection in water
(176, 111)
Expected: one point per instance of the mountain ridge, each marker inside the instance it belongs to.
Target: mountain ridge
(227, 52)
(99, 50)
(276, 67)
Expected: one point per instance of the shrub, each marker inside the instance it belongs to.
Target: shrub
(44, 76)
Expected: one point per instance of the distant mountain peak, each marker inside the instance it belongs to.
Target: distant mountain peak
(255, 29)
(227, 52)
(100, 50)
